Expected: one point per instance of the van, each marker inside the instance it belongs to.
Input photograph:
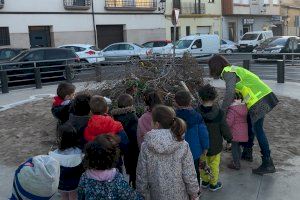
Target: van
(250, 40)
(202, 47)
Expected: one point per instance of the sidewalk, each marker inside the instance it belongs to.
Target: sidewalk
(237, 185)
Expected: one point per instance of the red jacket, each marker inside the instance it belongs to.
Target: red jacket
(101, 124)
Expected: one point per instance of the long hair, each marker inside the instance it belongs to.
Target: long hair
(216, 65)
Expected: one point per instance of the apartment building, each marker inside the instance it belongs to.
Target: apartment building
(196, 17)
(241, 16)
(290, 11)
(30, 23)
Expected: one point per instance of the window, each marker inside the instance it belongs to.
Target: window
(94, 48)
(241, 1)
(4, 36)
(35, 56)
(187, 30)
(177, 4)
(223, 42)
(160, 44)
(198, 44)
(112, 48)
(125, 47)
(5, 54)
(148, 44)
(260, 37)
(211, 1)
(53, 54)
(276, 2)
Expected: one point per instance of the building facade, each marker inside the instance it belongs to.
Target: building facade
(290, 11)
(196, 17)
(29, 23)
(241, 16)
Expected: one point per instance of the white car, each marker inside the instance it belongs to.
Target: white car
(159, 47)
(86, 52)
(228, 46)
(125, 51)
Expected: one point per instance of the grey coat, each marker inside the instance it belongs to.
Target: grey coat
(165, 168)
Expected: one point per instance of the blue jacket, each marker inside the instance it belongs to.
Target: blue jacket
(196, 134)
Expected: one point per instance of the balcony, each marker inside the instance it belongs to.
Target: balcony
(1, 3)
(77, 4)
(126, 5)
(192, 8)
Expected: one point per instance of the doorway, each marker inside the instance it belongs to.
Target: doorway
(109, 34)
(246, 29)
(232, 31)
(39, 36)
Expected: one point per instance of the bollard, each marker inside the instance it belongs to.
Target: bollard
(280, 71)
(246, 64)
(4, 82)
(68, 74)
(98, 70)
(37, 78)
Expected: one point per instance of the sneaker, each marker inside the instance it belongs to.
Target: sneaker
(216, 187)
(204, 185)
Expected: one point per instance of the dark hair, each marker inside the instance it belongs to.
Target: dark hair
(238, 95)
(151, 98)
(64, 89)
(207, 93)
(216, 65)
(67, 136)
(183, 98)
(102, 153)
(98, 105)
(125, 100)
(81, 104)
(167, 119)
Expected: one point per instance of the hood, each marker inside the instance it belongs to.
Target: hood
(69, 158)
(79, 119)
(161, 141)
(57, 101)
(190, 116)
(210, 113)
(121, 111)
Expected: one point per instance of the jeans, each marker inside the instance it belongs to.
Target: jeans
(236, 153)
(258, 131)
(250, 142)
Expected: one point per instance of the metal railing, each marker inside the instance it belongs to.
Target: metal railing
(77, 4)
(150, 5)
(192, 8)
(1, 3)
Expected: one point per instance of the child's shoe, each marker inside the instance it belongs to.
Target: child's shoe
(204, 185)
(231, 165)
(216, 187)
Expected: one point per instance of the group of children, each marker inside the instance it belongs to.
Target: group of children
(166, 152)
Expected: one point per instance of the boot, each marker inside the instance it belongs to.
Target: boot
(247, 154)
(266, 167)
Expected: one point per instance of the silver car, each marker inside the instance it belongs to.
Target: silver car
(125, 52)
(228, 46)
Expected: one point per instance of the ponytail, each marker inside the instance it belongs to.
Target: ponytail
(178, 128)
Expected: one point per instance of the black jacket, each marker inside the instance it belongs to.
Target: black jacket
(61, 113)
(79, 123)
(218, 129)
(129, 120)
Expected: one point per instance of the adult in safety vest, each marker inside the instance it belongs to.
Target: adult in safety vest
(259, 99)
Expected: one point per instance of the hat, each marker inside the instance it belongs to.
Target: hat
(37, 179)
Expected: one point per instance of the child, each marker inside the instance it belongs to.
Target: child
(218, 129)
(196, 134)
(101, 179)
(127, 116)
(37, 178)
(69, 157)
(79, 116)
(151, 99)
(237, 122)
(61, 102)
(100, 123)
(165, 168)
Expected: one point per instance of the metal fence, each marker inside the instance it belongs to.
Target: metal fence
(39, 73)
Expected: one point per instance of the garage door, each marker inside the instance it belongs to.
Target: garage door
(203, 29)
(108, 34)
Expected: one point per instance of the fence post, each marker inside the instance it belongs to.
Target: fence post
(37, 77)
(280, 71)
(68, 74)
(98, 69)
(246, 64)
(4, 82)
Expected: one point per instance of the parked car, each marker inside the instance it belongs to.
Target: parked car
(202, 47)
(278, 44)
(125, 51)
(159, 47)
(250, 40)
(228, 46)
(8, 53)
(51, 61)
(86, 52)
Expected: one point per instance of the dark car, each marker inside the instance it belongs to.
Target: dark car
(9, 53)
(276, 45)
(51, 61)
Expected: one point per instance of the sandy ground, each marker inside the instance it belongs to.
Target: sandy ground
(29, 130)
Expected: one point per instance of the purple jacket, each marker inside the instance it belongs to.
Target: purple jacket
(144, 126)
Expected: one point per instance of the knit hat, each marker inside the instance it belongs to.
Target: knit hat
(37, 179)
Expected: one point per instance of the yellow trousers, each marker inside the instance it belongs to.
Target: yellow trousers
(213, 162)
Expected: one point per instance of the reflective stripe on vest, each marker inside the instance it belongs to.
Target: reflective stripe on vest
(250, 86)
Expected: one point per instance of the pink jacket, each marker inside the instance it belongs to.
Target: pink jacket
(144, 126)
(237, 121)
